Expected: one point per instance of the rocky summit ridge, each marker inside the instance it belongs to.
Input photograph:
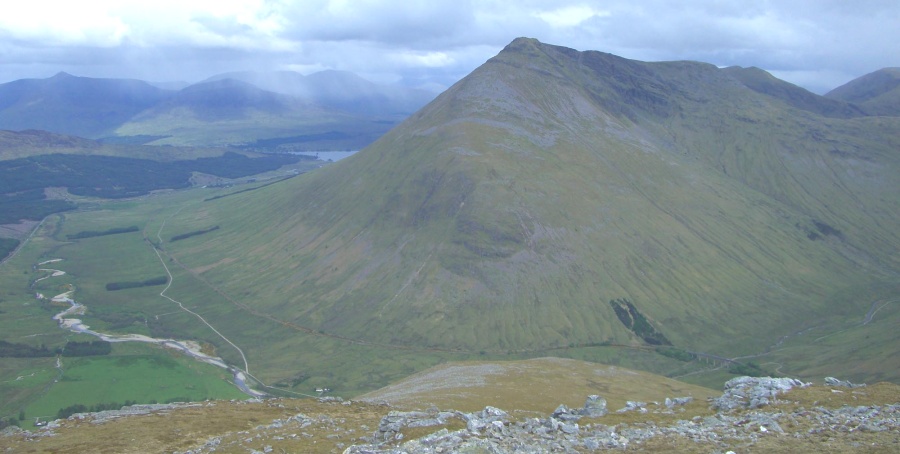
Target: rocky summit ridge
(756, 414)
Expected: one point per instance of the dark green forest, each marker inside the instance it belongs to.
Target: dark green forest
(22, 181)
(7, 245)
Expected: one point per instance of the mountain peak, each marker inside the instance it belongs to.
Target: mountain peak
(878, 93)
(869, 86)
(518, 209)
(761, 81)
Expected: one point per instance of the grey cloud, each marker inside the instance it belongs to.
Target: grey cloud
(812, 42)
(415, 24)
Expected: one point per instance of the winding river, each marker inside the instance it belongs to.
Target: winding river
(67, 320)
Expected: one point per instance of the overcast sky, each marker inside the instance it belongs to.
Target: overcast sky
(818, 44)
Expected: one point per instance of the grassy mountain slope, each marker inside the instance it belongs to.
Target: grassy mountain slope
(878, 92)
(506, 214)
(80, 106)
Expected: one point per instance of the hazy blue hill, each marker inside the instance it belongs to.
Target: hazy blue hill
(254, 109)
(338, 90)
(286, 82)
(73, 105)
(877, 92)
(17, 144)
(347, 91)
(509, 212)
(224, 99)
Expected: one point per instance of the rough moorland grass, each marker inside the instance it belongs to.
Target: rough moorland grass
(530, 386)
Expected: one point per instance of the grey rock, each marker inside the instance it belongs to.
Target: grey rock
(753, 392)
(475, 424)
(567, 414)
(722, 431)
(594, 407)
(677, 401)
(494, 414)
(570, 429)
(10, 431)
(632, 406)
(478, 421)
(831, 381)
(391, 424)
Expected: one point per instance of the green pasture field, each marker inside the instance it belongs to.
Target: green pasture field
(140, 373)
(23, 380)
(28, 383)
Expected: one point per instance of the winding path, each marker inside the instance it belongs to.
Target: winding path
(877, 306)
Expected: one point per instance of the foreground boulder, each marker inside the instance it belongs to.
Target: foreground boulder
(753, 392)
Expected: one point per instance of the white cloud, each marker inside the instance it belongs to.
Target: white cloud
(426, 59)
(62, 23)
(570, 16)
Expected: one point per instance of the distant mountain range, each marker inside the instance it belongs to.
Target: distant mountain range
(558, 199)
(73, 105)
(230, 109)
(340, 90)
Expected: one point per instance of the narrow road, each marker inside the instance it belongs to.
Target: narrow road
(171, 279)
(22, 244)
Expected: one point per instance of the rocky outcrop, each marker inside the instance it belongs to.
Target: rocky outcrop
(391, 424)
(490, 417)
(594, 407)
(721, 430)
(671, 403)
(753, 392)
(751, 413)
(101, 417)
(742, 417)
(831, 381)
